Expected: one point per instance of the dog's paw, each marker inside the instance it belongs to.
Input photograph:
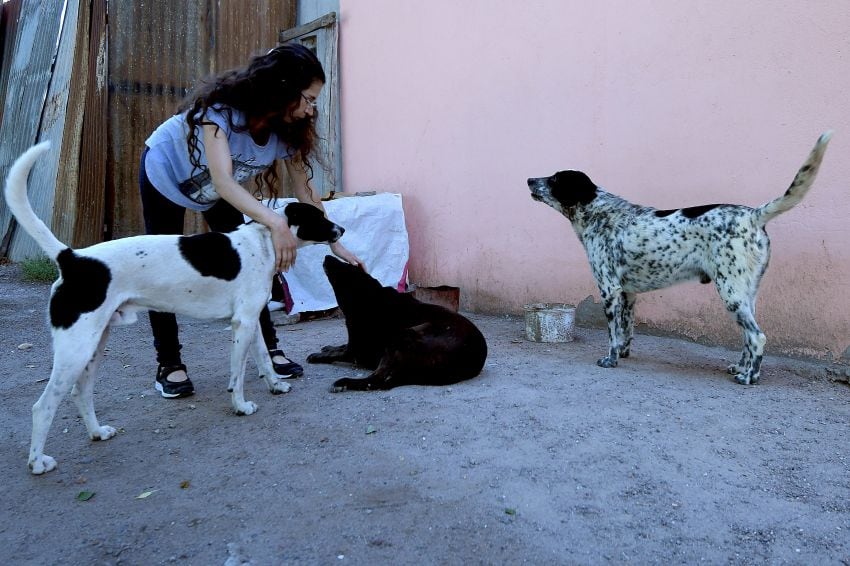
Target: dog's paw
(245, 408)
(102, 433)
(734, 369)
(341, 385)
(625, 353)
(279, 387)
(329, 355)
(746, 379)
(42, 465)
(607, 362)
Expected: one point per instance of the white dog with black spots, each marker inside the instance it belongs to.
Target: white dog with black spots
(633, 249)
(212, 275)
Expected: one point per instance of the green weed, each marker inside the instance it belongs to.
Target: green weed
(40, 268)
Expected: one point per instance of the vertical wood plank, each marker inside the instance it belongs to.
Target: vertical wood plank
(65, 210)
(9, 12)
(52, 128)
(322, 36)
(332, 141)
(91, 199)
(35, 101)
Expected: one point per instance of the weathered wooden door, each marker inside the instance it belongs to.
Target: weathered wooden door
(321, 36)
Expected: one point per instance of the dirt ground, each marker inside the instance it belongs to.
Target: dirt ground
(545, 458)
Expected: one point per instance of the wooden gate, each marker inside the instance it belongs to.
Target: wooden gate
(98, 104)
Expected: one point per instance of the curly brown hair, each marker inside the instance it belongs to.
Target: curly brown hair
(269, 88)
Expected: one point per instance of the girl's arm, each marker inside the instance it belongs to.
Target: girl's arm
(221, 171)
(304, 192)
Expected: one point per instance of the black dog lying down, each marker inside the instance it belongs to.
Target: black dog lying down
(405, 341)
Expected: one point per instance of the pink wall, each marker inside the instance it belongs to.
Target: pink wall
(667, 103)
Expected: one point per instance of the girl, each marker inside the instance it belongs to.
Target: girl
(229, 130)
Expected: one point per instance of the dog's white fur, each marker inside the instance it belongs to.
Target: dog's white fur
(144, 272)
(633, 249)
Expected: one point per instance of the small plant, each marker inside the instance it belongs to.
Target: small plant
(40, 268)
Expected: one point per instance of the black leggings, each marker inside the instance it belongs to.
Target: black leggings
(165, 217)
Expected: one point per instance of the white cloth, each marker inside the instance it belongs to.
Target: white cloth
(375, 232)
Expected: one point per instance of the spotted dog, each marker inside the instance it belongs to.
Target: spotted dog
(210, 275)
(633, 249)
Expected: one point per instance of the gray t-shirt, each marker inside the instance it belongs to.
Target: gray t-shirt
(169, 170)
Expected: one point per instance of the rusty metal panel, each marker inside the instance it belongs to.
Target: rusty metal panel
(245, 28)
(156, 53)
(156, 50)
(249, 27)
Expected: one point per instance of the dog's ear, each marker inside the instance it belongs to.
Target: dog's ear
(571, 188)
(297, 213)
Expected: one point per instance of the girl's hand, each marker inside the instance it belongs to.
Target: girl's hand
(284, 246)
(342, 252)
(304, 193)
(221, 171)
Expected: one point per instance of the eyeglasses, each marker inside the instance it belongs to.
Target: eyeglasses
(311, 103)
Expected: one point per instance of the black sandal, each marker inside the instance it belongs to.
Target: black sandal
(288, 369)
(173, 389)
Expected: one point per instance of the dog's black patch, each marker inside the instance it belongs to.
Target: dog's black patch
(572, 188)
(690, 212)
(311, 224)
(696, 211)
(405, 341)
(83, 288)
(211, 254)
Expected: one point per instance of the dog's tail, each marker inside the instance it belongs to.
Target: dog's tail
(799, 187)
(19, 204)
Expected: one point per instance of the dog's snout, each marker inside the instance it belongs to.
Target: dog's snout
(338, 232)
(536, 186)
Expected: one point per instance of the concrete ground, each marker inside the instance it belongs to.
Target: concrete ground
(545, 458)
